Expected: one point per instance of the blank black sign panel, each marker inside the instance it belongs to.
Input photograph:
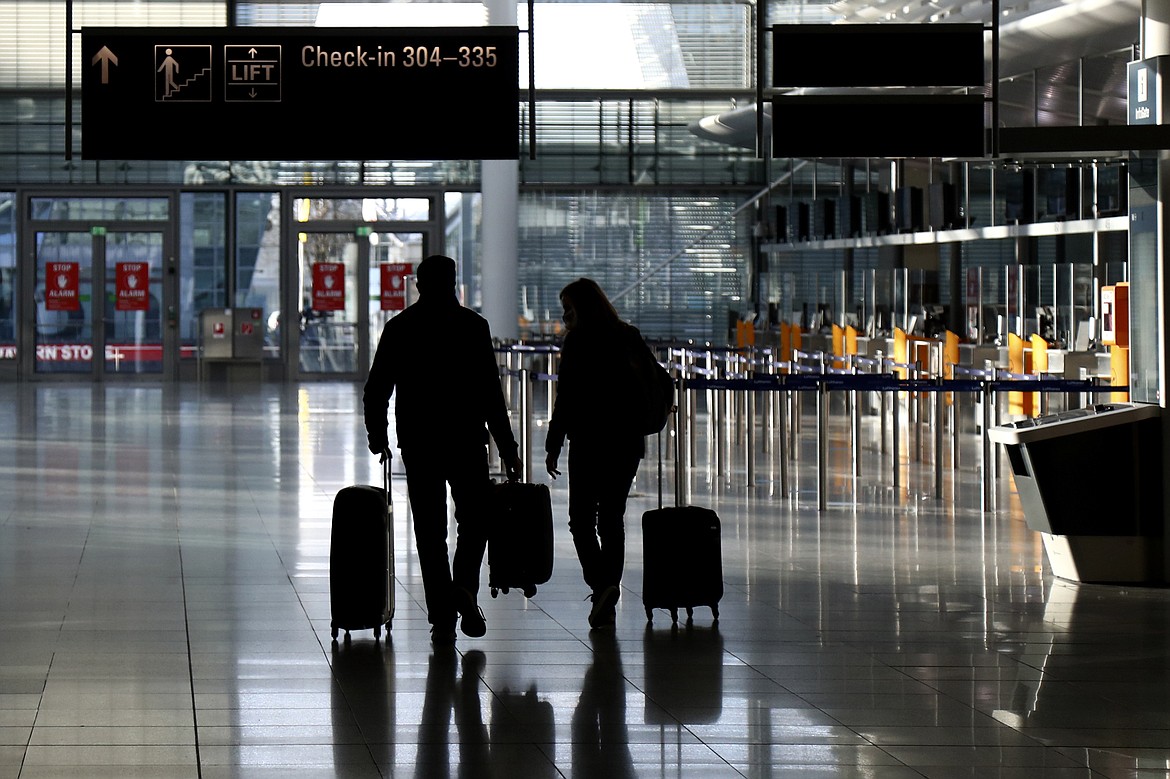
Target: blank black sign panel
(279, 93)
(868, 126)
(878, 55)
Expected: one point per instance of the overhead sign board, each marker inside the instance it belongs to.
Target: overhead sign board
(878, 126)
(1145, 89)
(878, 55)
(279, 93)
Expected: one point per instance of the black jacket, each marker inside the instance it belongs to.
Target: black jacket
(592, 406)
(437, 358)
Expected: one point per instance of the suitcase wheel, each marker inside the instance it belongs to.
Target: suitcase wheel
(530, 591)
(495, 591)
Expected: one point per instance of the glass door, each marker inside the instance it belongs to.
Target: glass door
(393, 259)
(98, 303)
(63, 332)
(349, 269)
(132, 312)
(329, 264)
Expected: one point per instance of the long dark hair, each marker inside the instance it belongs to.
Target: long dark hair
(592, 306)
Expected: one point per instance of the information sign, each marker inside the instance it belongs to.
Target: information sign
(281, 93)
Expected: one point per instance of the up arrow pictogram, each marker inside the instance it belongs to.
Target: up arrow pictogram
(106, 57)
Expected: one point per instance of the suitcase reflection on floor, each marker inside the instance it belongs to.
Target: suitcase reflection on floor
(684, 674)
(520, 724)
(363, 695)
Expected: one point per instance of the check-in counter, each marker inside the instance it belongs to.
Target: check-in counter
(1090, 482)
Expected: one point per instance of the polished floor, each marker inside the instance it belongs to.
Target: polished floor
(164, 613)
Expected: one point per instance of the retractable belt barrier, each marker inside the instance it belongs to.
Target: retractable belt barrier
(733, 378)
(880, 382)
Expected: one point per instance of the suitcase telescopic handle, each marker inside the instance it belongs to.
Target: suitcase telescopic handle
(386, 457)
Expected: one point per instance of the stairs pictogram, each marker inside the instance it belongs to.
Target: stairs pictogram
(206, 71)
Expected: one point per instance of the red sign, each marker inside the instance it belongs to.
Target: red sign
(394, 285)
(328, 286)
(84, 352)
(132, 282)
(61, 286)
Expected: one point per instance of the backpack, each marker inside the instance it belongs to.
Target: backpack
(652, 391)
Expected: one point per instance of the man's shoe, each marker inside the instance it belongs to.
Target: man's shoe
(443, 636)
(604, 611)
(472, 623)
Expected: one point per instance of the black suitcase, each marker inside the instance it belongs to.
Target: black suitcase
(361, 593)
(682, 560)
(520, 541)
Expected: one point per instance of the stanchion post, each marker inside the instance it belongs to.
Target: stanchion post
(749, 401)
(987, 477)
(882, 406)
(897, 443)
(782, 437)
(855, 412)
(822, 443)
(939, 433)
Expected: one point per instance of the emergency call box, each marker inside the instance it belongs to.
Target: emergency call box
(215, 328)
(248, 333)
(1115, 314)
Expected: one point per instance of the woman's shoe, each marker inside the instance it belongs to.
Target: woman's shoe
(604, 611)
(472, 623)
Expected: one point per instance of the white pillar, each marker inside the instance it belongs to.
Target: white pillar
(1155, 28)
(499, 233)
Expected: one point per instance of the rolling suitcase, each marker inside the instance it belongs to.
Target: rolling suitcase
(682, 558)
(361, 593)
(682, 563)
(520, 541)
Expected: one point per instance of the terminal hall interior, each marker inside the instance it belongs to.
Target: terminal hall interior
(903, 259)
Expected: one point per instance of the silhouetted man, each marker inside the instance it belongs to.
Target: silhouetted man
(437, 357)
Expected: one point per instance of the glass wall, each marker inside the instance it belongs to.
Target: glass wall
(674, 265)
(256, 280)
(202, 262)
(7, 276)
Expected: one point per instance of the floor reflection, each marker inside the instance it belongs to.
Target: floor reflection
(601, 739)
(452, 692)
(521, 720)
(364, 695)
(684, 674)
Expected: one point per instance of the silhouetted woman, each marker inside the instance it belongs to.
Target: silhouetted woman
(592, 410)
